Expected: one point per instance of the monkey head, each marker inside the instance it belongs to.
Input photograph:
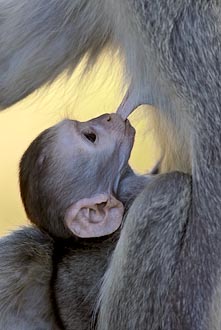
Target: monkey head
(70, 174)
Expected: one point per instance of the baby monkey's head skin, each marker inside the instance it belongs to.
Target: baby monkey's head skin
(70, 173)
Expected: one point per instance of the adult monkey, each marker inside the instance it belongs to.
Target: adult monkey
(165, 273)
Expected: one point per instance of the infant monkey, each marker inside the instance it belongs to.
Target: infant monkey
(74, 181)
(75, 178)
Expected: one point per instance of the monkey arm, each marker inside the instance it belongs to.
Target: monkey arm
(41, 39)
(25, 274)
(148, 253)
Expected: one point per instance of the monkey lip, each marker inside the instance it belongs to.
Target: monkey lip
(129, 129)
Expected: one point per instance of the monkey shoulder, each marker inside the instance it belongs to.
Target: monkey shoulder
(25, 274)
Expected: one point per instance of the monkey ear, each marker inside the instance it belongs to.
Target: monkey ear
(94, 217)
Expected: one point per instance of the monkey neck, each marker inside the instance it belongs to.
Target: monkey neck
(63, 245)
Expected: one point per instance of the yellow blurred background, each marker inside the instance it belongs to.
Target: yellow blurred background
(79, 98)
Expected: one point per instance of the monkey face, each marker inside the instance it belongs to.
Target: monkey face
(71, 172)
(99, 148)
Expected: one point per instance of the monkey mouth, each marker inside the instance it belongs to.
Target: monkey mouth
(126, 148)
(129, 128)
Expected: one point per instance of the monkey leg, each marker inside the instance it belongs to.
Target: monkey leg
(141, 287)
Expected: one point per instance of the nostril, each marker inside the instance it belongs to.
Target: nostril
(109, 118)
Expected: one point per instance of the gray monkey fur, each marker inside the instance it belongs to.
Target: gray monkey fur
(30, 270)
(172, 54)
(53, 283)
(26, 268)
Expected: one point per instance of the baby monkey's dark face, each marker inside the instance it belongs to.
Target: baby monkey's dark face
(71, 173)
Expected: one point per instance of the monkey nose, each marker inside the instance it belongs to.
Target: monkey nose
(114, 117)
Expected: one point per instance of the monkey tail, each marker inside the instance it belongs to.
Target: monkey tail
(41, 39)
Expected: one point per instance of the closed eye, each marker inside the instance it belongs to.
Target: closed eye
(90, 136)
